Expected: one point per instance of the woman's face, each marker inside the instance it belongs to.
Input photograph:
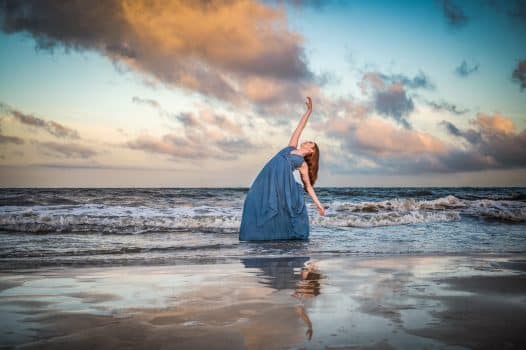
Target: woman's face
(308, 146)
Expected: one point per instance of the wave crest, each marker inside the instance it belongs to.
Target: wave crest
(90, 218)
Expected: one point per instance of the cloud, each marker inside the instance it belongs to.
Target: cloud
(199, 136)
(445, 106)
(213, 48)
(210, 124)
(177, 146)
(377, 146)
(270, 91)
(494, 141)
(98, 166)
(519, 74)
(471, 136)
(494, 124)
(11, 139)
(419, 81)
(205, 134)
(464, 69)
(378, 138)
(170, 144)
(328, 77)
(317, 4)
(394, 102)
(153, 104)
(389, 93)
(518, 11)
(388, 98)
(52, 127)
(146, 101)
(70, 150)
(451, 128)
(236, 146)
(192, 122)
(454, 14)
(515, 9)
(5, 139)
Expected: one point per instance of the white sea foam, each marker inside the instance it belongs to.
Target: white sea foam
(138, 219)
(385, 219)
(512, 211)
(410, 210)
(115, 219)
(402, 205)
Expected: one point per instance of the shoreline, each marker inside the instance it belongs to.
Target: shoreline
(212, 260)
(390, 301)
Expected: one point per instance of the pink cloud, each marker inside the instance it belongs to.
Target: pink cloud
(384, 139)
(494, 123)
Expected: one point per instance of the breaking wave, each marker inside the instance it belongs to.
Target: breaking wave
(114, 219)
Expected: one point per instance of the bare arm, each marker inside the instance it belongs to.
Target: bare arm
(300, 310)
(301, 125)
(304, 172)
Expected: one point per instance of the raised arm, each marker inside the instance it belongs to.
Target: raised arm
(301, 125)
(304, 172)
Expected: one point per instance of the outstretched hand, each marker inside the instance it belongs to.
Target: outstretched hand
(321, 210)
(309, 333)
(309, 104)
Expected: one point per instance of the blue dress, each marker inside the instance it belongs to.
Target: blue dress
(274, 206)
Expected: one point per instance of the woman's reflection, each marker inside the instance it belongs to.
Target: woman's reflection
(296, 273)
(307, 287)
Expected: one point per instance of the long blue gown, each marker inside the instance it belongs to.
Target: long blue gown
(274, 206)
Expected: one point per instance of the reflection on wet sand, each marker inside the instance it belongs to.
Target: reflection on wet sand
(404, 302)
(307, 287)
(282, 273)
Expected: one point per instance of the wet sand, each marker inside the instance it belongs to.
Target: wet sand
(400, 302)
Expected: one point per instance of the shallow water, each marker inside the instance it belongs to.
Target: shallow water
(41, 227)
(301, 302)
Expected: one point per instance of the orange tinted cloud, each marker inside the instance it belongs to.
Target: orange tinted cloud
(241, 36)
(262, 90)
(494, 123)
(223, 48)
(382, 138)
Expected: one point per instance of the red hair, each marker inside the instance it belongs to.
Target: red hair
(312, 161)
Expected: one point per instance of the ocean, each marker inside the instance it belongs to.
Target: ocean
(158, 226)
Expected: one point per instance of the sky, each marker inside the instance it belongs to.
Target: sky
(178, 93)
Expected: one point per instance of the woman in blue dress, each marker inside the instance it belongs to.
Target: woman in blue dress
(274, 206)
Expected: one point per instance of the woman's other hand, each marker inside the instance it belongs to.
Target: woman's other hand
(321, 210)
(309, 104)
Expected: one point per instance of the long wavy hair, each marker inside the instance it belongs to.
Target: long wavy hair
(313, 161)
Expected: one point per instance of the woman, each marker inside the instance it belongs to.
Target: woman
(274, 207)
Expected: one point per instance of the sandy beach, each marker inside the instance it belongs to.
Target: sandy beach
(389, 302)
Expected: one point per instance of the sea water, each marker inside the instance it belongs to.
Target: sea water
(147, 226)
